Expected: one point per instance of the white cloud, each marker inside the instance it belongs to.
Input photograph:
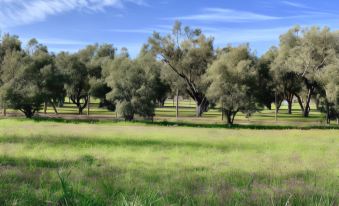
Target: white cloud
(141, 31)
(19, 12)
(294, 4)
(226, 15)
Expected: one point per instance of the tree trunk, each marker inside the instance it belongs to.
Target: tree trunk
(45, 107)
(307, 105)
(129, 117)
(230, 115)
(201, 107)
(177, 105)
(289, 110)
(88, 105)
(77, 101)
(300, 101)
(4, 110)
(289, 99)
(80, 109)
(276, 106)
(337, 120)
(29, 112)
(54, 107)
(328, 118)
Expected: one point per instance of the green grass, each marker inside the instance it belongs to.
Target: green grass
(261, 118)
(119, 163)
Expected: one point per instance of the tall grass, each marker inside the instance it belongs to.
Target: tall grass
(58, 163)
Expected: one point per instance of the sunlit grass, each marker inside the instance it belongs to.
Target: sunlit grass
(125, 163)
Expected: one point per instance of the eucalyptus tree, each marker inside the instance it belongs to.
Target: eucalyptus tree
(265, 91)
(22, 85)
(76, 79)
(133, 86)
(332, 92)
(102, 55)
(156, 70)
(8, 44)
(310, 57)
(287, 83)
(232, 81)
(52, 79)
(187, 52)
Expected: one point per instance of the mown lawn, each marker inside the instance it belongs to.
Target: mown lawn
(50, 163)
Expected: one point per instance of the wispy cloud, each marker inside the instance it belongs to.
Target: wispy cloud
(141, 31)
(226, 15)
(19, 12)
(223, 36)
(294, 4)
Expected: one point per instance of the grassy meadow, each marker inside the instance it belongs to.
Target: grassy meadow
(106, 163)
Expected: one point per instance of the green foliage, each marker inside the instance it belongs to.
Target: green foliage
(310, 53)
(187, 52)
(23, 75)
(232, 79)
(133, 87)
(77, 78)
(265, 83)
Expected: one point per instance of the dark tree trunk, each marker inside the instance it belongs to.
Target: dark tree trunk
(307, 103)
(328, 118)
(305, 106)
(289, 105)
(162, 102)
(54, 107)
(310, 87)
(45, 107)
(4, 110)
(88, 104)
(28, 111)
(300, 101)
(289, 99)
(279, 105)
(201, 103)
(230, 115)
(129, 117)
(201, 107)
(77, 101)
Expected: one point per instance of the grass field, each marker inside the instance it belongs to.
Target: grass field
(51, 163)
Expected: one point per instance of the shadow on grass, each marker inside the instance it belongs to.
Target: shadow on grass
(185, 124)
(44, 163)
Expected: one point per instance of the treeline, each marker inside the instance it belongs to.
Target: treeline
(305, 67)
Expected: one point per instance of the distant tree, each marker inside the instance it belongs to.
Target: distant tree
(76, 79)
(314, 50)
(52, 79)
(98, 87)
(232, 79)
(155, 70)
(132, 87)
(188, 53)
(265, 91)
(22, 88)
(8, 44)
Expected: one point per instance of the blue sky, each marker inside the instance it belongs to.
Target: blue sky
(71, 24)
